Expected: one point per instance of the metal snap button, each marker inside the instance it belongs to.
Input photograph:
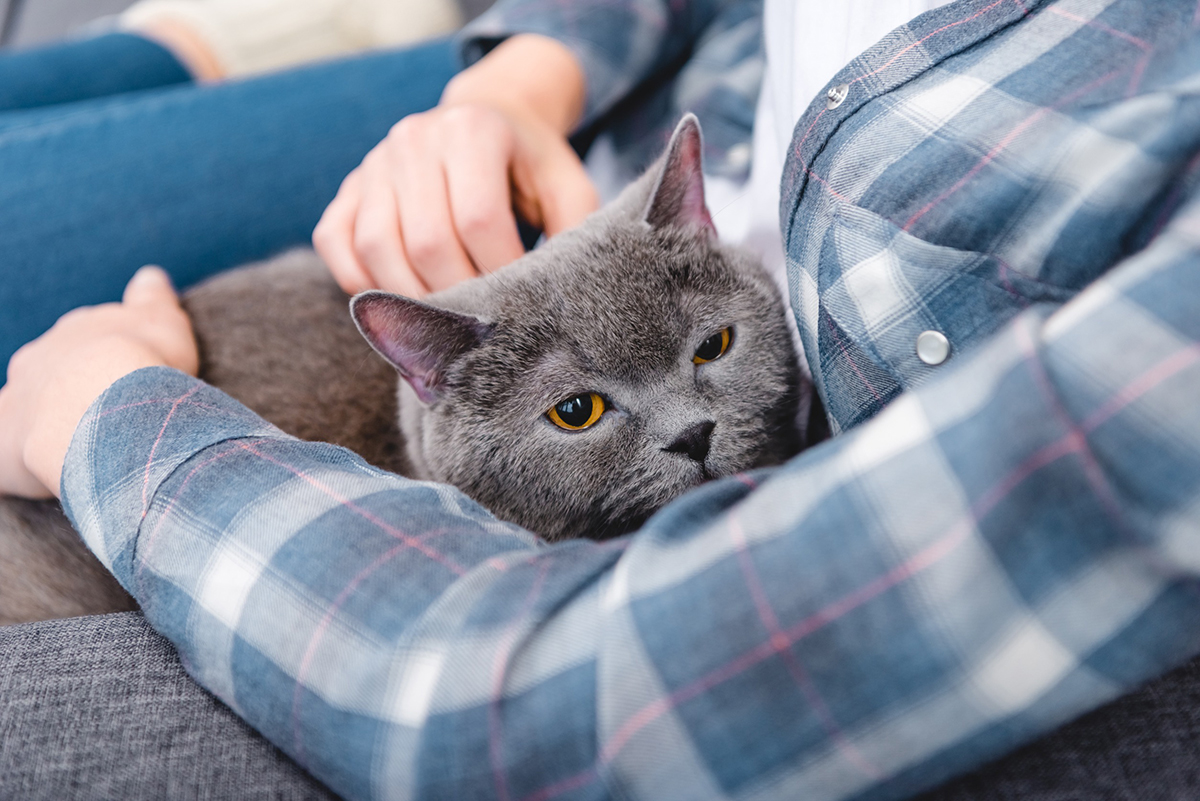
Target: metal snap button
(836, 95)
(932, 347)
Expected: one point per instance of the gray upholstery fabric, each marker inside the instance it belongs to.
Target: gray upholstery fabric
(100, 708)
(1143, 747)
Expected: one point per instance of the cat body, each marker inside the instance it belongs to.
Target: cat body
(574, 392)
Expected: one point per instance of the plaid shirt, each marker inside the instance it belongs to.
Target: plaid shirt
(1011, 540)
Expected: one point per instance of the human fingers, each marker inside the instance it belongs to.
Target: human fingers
(150, 286)
(150, 311)
(17, 399)
(553, 188)
(427, 228)
(333, 238)
(378, 245)
(477, 179)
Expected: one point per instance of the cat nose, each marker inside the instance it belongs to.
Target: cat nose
(693, 441)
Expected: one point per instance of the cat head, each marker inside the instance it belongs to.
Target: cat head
(581, 388)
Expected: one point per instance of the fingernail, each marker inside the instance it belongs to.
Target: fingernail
(149, 272)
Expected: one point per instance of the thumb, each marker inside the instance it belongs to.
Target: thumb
(150, 286)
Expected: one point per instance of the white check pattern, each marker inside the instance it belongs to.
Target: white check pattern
(987, 550)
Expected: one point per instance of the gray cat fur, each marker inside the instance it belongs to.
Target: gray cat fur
(616, 306)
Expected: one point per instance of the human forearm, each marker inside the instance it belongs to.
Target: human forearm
(530, 75)
(618, 45)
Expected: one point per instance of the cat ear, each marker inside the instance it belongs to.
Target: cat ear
(678, 195)
(421, 341)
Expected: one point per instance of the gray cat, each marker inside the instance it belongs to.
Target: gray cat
(574, 392)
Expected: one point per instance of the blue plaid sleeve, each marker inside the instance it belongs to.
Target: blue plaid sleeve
(619, 43)
(997, 551)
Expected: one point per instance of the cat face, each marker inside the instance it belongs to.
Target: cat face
(580, 389)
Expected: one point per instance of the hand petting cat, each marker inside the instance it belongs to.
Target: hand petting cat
(433, 203)
(430, 206)
(54, 379)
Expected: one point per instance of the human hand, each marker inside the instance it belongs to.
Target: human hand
(432, 204)
(54, 379)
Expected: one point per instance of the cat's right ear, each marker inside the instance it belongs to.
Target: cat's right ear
(678, 195)
(421, 341)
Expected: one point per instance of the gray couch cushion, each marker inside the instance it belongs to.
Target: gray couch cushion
(100, 708)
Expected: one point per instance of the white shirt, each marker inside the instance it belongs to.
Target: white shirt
(807, 43)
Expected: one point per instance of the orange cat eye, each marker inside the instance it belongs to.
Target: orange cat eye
(578, 412)
(714, 347)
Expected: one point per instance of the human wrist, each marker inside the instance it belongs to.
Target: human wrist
(67, 396)
(530, 76)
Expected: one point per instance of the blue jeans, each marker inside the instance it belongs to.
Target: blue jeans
(111, 158)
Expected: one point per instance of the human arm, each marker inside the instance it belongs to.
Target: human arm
(994, 553)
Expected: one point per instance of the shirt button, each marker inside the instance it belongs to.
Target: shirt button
(836, 95)
(932, 347)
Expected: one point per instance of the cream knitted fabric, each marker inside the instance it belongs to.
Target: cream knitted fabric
(253, 36)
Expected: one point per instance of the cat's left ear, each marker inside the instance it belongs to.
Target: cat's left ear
(678, 196)
(421, 341)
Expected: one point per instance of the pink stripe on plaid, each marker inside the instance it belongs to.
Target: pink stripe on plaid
(777, 638)
(1004, 143)
(1005, 270)
(799, 144)
(745, 479)
(844, 352)
(415, 543)
(499, 668)
(197, 404)
(1091, 467)
(929, 36)
(988, 158)
(158, 440)
(1176, 363)
(146, 553)
(1072, 442)
(1091, 23)
(319, 634)
(920, 561)
(828, 187)
(1135, 80)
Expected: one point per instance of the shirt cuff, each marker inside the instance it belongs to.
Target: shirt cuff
(132, 438)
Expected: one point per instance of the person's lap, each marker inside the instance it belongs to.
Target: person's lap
(102, 707)
(194, 178)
